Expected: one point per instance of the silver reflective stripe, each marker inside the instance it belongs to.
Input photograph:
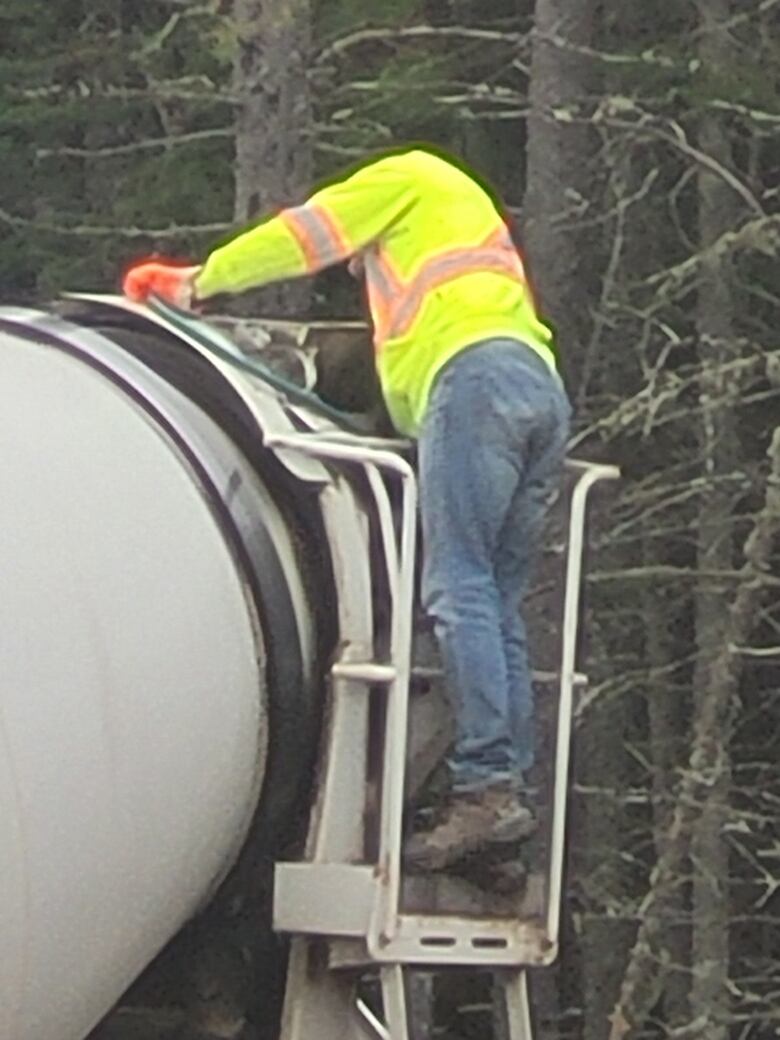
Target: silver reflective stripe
(318, 238)
(379, 277)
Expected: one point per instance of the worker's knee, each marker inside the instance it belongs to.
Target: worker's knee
(452, 598)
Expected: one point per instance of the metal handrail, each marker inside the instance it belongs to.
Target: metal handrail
(400, 562)
(592, 473)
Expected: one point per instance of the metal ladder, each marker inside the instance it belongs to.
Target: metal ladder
(345, 914)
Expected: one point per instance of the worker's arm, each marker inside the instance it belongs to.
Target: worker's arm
(333, 225)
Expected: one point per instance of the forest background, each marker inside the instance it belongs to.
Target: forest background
(637, 146)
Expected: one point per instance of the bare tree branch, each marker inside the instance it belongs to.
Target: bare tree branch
(102, 231)
(641, 980)
(612, 112)
(761, 235)
(415, 32)
(187, 88)
(147, 144)
(764, 7)
(757, 115)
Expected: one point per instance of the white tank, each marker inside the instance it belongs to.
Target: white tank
(133, 718)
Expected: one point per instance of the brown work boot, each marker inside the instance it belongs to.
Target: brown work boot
(471, 821)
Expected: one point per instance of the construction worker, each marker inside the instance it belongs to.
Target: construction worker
(467, 367)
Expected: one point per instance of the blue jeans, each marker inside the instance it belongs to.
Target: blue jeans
(491, 450)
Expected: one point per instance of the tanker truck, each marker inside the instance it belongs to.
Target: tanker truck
(210, 637)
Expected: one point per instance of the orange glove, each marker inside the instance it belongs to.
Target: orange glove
(168, 280)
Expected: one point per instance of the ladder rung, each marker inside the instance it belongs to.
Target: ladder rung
(451, 941)
(441, 940)
(364, 671)
(428, 672)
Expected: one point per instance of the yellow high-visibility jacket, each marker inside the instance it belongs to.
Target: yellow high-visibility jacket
(441, 270)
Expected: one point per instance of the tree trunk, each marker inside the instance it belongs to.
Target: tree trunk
(273, 160)
(668, 731)
(557, 174)
(718, 213)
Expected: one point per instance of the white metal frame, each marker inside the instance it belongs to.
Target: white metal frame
(590, 474)
(360, 904)
(399, 561)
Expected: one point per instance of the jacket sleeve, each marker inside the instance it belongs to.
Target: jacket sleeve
(333, 225)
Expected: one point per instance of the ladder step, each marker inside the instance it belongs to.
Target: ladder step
(457, 941)
(448, 939)
(336, 900)
(440, 894)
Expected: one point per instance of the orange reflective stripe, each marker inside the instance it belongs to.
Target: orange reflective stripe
(500, 237)
(384, 289)
(318, 235)
(497, 255)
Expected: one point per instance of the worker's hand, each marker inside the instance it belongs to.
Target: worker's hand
(173, 283)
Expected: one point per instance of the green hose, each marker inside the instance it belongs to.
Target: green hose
(220, 346)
